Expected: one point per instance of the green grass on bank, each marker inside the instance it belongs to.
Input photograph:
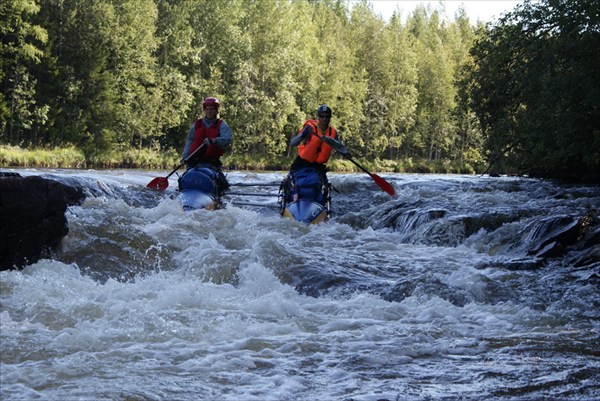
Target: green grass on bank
(71, 157)
(74, 158)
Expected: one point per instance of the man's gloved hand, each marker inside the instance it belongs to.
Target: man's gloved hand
(209, 141)
(336, 145)
(343, 151)
(329, 141)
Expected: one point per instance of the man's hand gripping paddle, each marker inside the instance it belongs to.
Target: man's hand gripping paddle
(381, 183)
(161, 183)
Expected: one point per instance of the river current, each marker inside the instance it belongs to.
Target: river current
(450, 291)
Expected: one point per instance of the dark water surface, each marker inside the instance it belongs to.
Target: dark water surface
(462, 287)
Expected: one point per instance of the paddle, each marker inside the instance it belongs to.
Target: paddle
(381, 183)
(161, 183)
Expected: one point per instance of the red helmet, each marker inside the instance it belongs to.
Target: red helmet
(211, 101)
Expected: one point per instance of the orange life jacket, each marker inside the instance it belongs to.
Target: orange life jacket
(213, 152)
(315, 150)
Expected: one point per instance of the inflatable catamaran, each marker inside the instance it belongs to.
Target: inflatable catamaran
(304, 195)
(198, 189)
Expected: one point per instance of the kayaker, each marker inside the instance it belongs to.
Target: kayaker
(314, 145)
(214, 135)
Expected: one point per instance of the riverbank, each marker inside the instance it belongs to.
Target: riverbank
(73, 158)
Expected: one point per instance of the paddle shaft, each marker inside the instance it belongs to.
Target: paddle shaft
(250, 194)
(161, 183)
(186, 159)
(358, 165)
(342, 149)
(254, 204)
(381, 183)
(250, 184)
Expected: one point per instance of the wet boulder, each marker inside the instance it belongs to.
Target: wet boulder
(32, 218)
(587, 251)
(555, 236)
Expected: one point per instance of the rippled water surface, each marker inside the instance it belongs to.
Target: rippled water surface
(446, 292)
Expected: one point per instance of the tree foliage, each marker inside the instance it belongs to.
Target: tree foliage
(20, 51)
(535, 83)
(117, 74)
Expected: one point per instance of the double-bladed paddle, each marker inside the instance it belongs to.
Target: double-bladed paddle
(381, 183)
(161, 183)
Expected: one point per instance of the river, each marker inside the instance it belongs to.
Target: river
(442, 293)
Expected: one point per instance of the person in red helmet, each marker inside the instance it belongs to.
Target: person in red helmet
(214, 135)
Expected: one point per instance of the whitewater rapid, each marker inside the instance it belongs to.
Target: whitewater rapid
(392, 299)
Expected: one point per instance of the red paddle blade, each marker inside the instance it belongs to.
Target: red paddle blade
(383, 184)
(159, 183)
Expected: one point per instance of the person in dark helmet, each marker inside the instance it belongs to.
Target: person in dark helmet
(314, 142)
(214, 135)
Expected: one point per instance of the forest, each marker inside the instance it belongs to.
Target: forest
(119, 82)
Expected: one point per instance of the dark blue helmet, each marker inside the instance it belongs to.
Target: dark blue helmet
(324, 111)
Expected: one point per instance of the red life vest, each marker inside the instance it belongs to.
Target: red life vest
(315, 150)
(213, 152)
